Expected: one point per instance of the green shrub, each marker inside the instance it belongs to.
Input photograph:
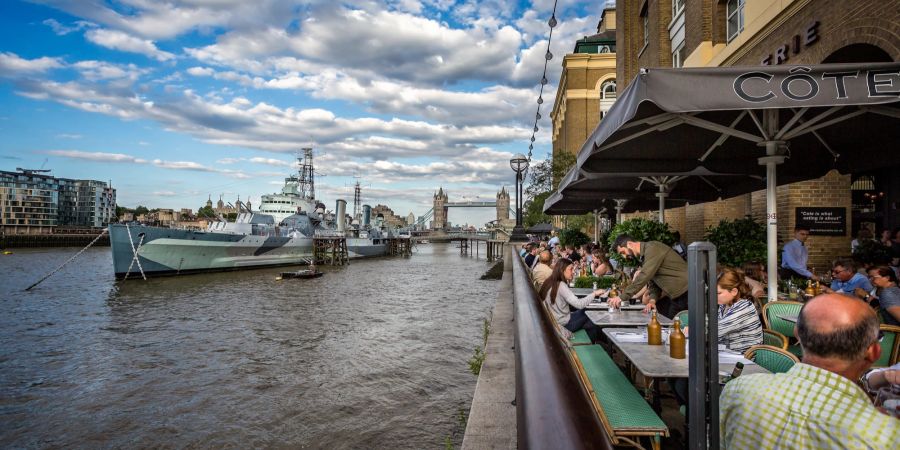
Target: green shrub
(573, 237)
(588, 282)
(642, 230)
(738, 242)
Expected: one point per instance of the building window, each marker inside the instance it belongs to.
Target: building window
(608, 90)
(646, 20)
(678, 56)
(734, 12)
(677, 7)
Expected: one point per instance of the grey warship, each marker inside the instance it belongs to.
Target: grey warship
(279, 233)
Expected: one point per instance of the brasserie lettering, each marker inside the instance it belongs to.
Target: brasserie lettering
(800, 85)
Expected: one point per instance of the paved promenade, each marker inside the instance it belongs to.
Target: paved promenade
(492, 418)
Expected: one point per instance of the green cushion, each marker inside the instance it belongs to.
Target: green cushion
(580, 338)
(796, 350)
(623, 405)
(773, 340)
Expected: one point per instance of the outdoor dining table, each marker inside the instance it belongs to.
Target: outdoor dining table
(653, 361)
(624, 318)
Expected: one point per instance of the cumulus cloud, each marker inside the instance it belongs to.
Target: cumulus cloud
(100, 70)
(12, 64)
(125, 158)
(118, 40)
(63, 30)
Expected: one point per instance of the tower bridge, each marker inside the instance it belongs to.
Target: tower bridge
(438, 214)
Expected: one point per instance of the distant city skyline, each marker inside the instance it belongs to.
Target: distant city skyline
(174, 102)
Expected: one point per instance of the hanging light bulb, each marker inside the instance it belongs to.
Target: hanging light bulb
(552, 21)
(549, 55)
(544, 78)
(537, 116)
(532, 138)
(540, 100)
(535, 128)
(530, 147)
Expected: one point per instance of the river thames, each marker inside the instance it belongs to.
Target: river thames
(372, 355)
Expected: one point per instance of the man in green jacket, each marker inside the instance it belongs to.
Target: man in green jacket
(662, 271)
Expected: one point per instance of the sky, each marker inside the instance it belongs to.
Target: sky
(174, 101)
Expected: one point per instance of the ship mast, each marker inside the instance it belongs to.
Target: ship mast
(307, 184)
(357, 194)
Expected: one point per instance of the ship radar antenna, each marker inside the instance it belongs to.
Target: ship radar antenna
(307, 184)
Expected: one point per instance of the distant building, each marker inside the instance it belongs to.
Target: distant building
(391, 220)
(33, 203)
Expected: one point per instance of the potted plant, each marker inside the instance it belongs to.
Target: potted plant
(738, 241)
(642, 230)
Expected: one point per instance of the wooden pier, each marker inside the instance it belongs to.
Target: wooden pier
(330, 250)
(399, 246)
(493, 248)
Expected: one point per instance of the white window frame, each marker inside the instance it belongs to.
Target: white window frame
(606, 84)
(677, 7)
(738, 12)
(677, 57)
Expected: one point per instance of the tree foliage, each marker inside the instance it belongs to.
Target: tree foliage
(871, 252)
(141, 209)
(533, 210)
(543, 176)
(573, 237)
(206, 211)
(640, 230)
(738, 241)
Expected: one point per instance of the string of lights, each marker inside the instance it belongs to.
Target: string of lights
(540, 100)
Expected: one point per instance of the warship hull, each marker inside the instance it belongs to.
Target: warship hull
(167, 251)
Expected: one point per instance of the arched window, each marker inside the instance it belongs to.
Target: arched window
(608, 90)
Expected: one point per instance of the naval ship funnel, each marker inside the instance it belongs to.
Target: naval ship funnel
(341, 215)
(367, 215)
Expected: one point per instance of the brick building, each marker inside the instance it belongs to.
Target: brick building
(707, 33)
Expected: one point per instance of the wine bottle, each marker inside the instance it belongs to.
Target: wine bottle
(654, 331)
(677, 341)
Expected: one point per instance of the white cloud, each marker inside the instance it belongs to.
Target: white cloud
(63, 30)
(118, 40)
(13, 65)
(69, 136)
(125, 158)
(100, 70)
(165, 193)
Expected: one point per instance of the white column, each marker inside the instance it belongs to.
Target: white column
(771, 161)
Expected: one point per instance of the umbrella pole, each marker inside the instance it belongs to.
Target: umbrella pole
(620, 203)
(662, 194)
(596, 227)
(771, 161)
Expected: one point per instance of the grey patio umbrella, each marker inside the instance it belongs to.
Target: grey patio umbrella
(805, 120)
(633, 190)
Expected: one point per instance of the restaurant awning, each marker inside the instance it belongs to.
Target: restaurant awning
(805, 120)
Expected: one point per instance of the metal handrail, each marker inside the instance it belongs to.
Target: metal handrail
(552, 411)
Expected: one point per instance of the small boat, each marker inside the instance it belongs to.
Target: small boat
(306, 273)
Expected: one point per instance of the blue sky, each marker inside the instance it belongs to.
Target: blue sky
(174, 101)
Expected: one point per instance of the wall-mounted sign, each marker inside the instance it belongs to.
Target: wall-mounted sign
(823, 221)
(799, 41)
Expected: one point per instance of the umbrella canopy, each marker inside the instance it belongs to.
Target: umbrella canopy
(580, 190)
(541, 228)
(804, 120)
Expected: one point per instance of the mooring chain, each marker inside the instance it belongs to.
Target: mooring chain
(68, 261)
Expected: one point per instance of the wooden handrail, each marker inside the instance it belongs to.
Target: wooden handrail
(552, 410)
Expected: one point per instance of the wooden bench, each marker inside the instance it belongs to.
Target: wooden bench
(622, 410)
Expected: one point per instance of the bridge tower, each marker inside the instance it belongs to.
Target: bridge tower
(503, 205)
(440, 210)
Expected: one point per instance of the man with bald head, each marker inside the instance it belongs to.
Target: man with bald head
(817, 403)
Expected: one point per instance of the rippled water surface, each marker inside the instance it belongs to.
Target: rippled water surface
(372, 355)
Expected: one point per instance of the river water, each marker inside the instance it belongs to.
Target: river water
(372, 355)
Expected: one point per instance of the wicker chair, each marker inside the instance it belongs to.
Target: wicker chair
(775, 339)
(771, 358)
(772, 313)
(890, 344)
(683, 317)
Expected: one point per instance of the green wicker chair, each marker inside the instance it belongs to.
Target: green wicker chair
(683, 317)
(775, 339)
(772, 320)
(890, 344)
(771, 358)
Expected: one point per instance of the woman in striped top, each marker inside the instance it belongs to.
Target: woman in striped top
(739, 326)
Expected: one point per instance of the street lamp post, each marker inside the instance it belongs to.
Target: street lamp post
(519, 164)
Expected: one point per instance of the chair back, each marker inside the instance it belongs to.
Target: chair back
(889, 346)
(771, 358)
(775, 339)
(683, 317)
(772, 312)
